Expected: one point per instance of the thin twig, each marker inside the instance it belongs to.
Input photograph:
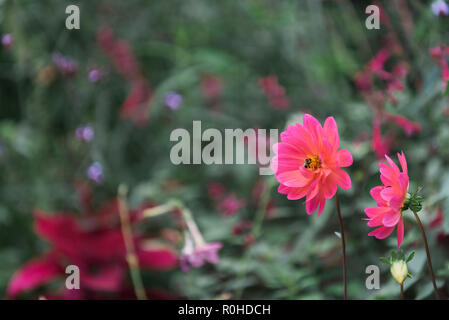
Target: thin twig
(131, 256)
(343, 244)
(402, 291)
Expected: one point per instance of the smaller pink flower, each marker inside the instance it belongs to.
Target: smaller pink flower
(230, 205)
(196, 254)
(390, 200)
(274, 92)
(440, 7)
(439, 56)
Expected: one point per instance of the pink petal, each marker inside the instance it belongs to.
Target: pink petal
(388, 193)
(283, 189)
(343, 179)
(375, 193)
(403, 182)
(160, 259)
(376, 211)
(322, 204)
(382, 232)
(34, 274)
(387, 174)
(393, 165)
(297, 193)
(312, 204)
(292, 179)
(330, 186)
(403, 162)
(376, 221)
(331, 133)
(344, 158)
(391, 218)
(396, 202)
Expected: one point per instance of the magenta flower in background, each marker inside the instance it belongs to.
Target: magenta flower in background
(137, 103)
(227, 203)
(439, 55)
(274, 92)
(95, 75)
(196, 254)
(95, 172)
(94, 242)
(212, 88)
(7, 40)
(173, 100)
(381, 144)
(85, 133)
(230, 205)
(65, 65)
(136, 106)
(440, 7)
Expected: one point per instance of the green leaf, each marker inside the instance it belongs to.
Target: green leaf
(410, 257)
(385, 260)
(394, 255)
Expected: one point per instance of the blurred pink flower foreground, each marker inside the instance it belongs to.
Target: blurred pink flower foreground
(390, 200)
(308, 162)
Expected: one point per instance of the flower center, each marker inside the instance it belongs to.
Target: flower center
(313, 162)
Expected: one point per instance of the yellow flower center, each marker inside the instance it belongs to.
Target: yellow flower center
(313, 162)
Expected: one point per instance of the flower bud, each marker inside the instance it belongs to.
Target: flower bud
(399, 270)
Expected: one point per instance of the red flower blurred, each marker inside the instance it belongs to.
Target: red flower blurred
(377, 95)
(212, 88)
(274, 92)
(380, 144)
(137, 103)
(437, 223)
(94, 243)
(227, 203)
(439, 55)
(120, 53)
(230, 205)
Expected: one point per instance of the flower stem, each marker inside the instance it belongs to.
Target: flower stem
(131, 256)
(343, 244)
(429, 260)
(402, 291)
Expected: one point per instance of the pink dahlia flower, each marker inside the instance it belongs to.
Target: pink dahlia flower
(390, 200)
(308, 163)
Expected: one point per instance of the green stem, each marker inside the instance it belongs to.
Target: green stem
(131, 256)
(402, 291)
(343, 244)
(429, 260)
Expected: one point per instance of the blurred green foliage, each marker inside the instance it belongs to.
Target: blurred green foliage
(314, 48)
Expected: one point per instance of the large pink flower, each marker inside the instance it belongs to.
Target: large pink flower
(308, 162)
(390, 200)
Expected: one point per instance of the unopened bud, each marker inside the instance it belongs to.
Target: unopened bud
(399, 270)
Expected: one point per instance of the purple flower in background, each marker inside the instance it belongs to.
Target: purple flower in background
(7, 40)
(440, 7)
(95, 172)
(173, 100)
(95, 75)
(66, 66)
(85, 133)
(195, 255)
